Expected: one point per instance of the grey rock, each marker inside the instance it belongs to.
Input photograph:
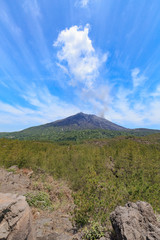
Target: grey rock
(14, 182)
(52, 236)
(57, 236)
(15, 218)
(135, 221)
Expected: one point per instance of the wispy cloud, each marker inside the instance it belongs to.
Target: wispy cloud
(32, 7)
(98, 97)
(82, 3)
(44, 107)
(156, 93)
(137, 78)
(78, 56)
(123, 110)
(20, 52)
(5, 18)
(34, 19)
(47, 105)
(128, 109)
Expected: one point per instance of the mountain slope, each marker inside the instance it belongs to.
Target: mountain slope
(77, 127)
(82, 121)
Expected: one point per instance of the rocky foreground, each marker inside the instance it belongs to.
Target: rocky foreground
(15, 218)
(134, 221)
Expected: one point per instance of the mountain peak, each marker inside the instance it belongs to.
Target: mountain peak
(80, 114)
(82, 121)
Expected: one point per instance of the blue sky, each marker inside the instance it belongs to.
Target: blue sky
(60, 57)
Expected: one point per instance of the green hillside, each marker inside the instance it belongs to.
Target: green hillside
(77, 128)
(57, 134)
(102, 173)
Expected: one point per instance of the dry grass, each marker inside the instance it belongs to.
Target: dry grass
(59, 192)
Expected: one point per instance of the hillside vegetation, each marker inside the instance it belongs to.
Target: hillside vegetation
(78, 127)
(55, 134)
(102, 173)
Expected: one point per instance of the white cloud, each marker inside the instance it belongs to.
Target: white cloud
(137, 78)
(78, 55)
(45, 107)
(123, 110)
(32, 7)
(48, 106)
(9, 55)
(65, 70)
(33, 15)
(154, 113)
(13, 28)
(129, 109)
(82, 3)
(156, 93)
(98, 97)
(134, 112)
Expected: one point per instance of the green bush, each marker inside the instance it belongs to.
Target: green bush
(101, 173)
(39, 200)
(94, 232)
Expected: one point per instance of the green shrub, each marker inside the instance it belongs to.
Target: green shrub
(94, 232)
(102, 173)
(39, 200)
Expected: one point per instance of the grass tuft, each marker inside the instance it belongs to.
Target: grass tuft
(39, 200)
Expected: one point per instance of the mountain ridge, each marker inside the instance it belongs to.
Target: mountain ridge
(80, 126)
(82, 121)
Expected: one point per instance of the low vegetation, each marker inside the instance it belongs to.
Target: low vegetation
(93, 232)
(53, 134)
(39, 200)
(102, 173)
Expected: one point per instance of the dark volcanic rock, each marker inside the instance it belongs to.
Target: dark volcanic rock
(85, 121)
(135, 221)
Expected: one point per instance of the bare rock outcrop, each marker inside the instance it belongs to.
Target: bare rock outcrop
(14, 181)
(135, 221)
(15, 218)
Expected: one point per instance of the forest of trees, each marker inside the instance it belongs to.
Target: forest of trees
(102, 173)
